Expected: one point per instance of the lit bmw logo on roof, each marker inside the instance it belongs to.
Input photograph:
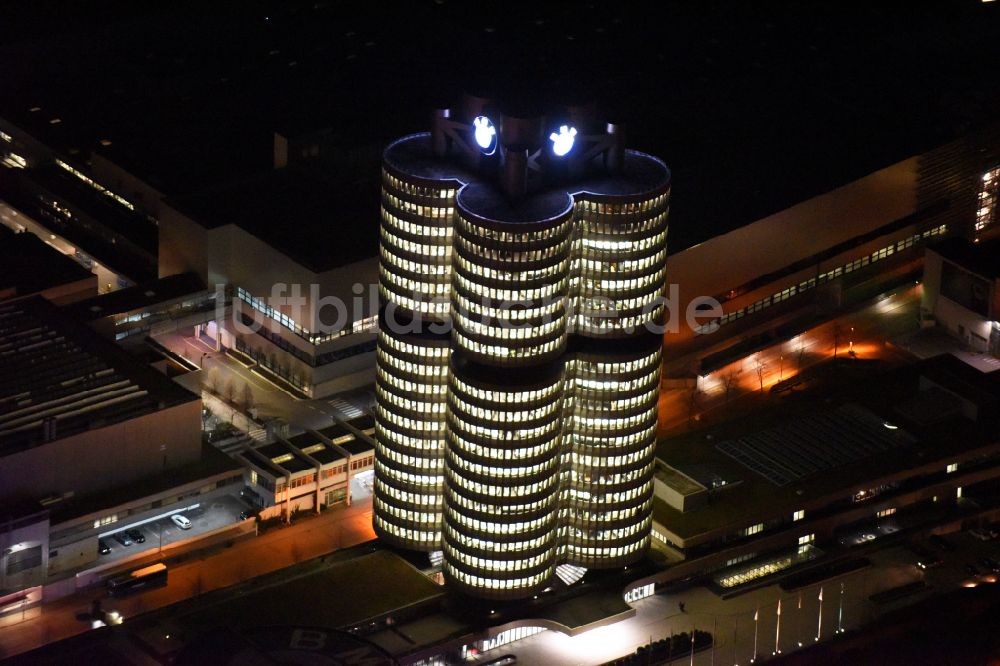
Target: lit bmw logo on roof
(485, 134)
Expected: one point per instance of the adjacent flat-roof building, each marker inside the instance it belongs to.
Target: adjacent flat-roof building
(910, 450)
(962, 291)
(28, 266)
(292, 252)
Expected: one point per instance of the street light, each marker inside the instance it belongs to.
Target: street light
(819, 625)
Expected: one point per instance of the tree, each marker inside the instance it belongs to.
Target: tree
(247, 396)
(729, 381)
(759, 367)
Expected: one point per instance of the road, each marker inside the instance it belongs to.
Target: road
(277, 548)
(222, 374)
(864, 331)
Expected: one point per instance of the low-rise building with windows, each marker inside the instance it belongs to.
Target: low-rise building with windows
(314, 470)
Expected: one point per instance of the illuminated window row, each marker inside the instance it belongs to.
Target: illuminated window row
(502, 396)
(511, 332)
(406, 533)
(626, 247)
(414, 479)
(459, 500)
(513, 296)
(522, 276)
(418, 190)
(398, 225)
(407, 515)
(498, 434)
(422, 369)
(508, 472)
(432, 497)
(499, 414)
(833, 274)
(526, 237)
(512, 314)
(501, 352)
(618, 229)
(622, 208)
(501, 565)
(505, 529)
(418, 249)
(408, 423)
(438, 267)
(495, 584)
(987, 200)
(502, 489)
(97, 186)
(406, 347)
(432, 289)
(418, 208)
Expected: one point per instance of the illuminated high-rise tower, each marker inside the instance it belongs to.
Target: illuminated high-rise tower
(522, 264)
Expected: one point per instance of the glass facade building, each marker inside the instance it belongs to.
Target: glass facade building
(518, 364)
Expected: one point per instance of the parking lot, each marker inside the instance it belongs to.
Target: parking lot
(212, 513)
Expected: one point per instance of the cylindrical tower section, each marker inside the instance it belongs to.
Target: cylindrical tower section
(610, 439)
(411, 384)
(510, 279)
(502, 480)
(415, 236)
(619, 262)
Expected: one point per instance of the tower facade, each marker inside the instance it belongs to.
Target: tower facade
(521, 268)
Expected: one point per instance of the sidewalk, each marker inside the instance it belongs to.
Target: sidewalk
(279, 547)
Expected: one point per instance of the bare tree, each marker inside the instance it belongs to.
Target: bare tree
(247, 396)
(760, 367)
(729, 381)
(837, 332)
(230, 392)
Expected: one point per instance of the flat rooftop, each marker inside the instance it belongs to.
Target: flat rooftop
(212, 463)
(783, 457)
(29, 266)
(282, 455)
(320, 222)
(138, 297)
(137, 228)
(980, 258)
(56, 374)
(755, 107)
(412, 155)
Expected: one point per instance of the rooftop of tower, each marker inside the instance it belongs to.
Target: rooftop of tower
(482, 196)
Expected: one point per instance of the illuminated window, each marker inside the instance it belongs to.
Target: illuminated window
(799, 515)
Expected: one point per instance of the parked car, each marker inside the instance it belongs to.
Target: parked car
(982, 535)
(941, 542)
(136, 535)
(972, 570)
(102, 547)
(122, 538)
(181, 521)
